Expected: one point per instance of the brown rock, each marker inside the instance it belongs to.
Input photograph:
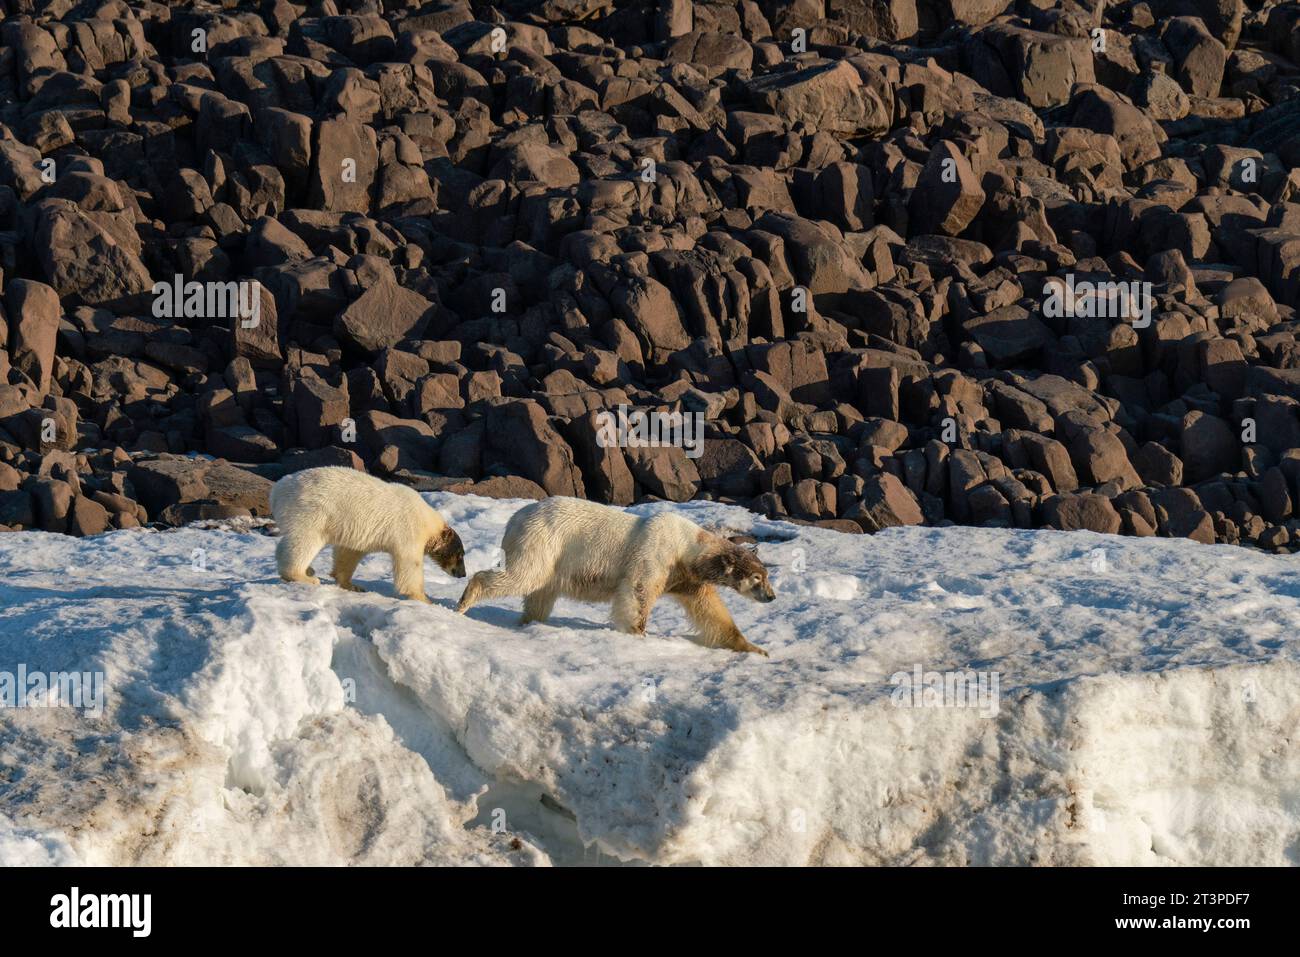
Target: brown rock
(501, 486)
(34, 313)
(1084, 511)
(1099, 457)
(87, 517)
(17, 510)
(382, 316)
(649, 311)
(947, 196)
(1158, 466)
(828, 96)
(319, 409)
(519, 435)
(81, 259)
(53, 500)
(1181, 515)
(1209, 447)
(345, 159)
(1275, 495)
(885, 503)
(665, 472)
(605, 474)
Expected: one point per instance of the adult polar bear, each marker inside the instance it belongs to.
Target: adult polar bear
(359, 514)
(577, 549)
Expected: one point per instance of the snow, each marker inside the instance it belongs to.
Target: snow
(1146, 713)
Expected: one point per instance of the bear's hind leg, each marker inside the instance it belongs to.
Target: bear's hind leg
(345, 564)
(712, 620)
(293, 555)
(538, 605)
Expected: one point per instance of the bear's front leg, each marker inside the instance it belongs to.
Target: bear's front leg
(633, 600)
(345, 564)
(472, 593)
(408, 576)
(716, 629)
(490, 583)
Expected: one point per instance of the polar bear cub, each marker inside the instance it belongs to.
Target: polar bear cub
(359, 514)
(577, 549)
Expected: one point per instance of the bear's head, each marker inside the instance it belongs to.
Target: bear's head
(446, 549)
(738, 567)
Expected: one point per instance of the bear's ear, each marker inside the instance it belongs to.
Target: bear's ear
(717, 567)
(444, 541)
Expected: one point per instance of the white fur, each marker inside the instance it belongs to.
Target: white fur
(357, 514)
(581, 550)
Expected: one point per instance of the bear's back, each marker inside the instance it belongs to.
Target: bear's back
(670, 535)
(559, 513)
(334, 489)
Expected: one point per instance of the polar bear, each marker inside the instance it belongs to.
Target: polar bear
(358, 514)
(577, 549)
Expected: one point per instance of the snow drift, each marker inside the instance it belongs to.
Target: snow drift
(1146, 708)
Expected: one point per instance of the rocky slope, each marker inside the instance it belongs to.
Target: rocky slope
(884, 249)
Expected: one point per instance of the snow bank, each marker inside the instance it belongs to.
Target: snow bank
(1139, 706)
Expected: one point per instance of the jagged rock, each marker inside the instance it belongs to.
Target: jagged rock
(947, 197)
(87, 517)
(82, 260)
(1039, 68)
(34, 310)
(605, 473)
(647, 307)
(345, 159)
(884, 19)
(728, 467)
(1200, 58)
(519, 433)
(827, 96)
(17, 511)
(172, 480)
(382, 316)
(664, 472)
(1275, 495)
(1180, 515)
(885, 502)
(1081, 512)
(1156, 465)
(500, 486)
(1010, 335)
(1208, 446)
